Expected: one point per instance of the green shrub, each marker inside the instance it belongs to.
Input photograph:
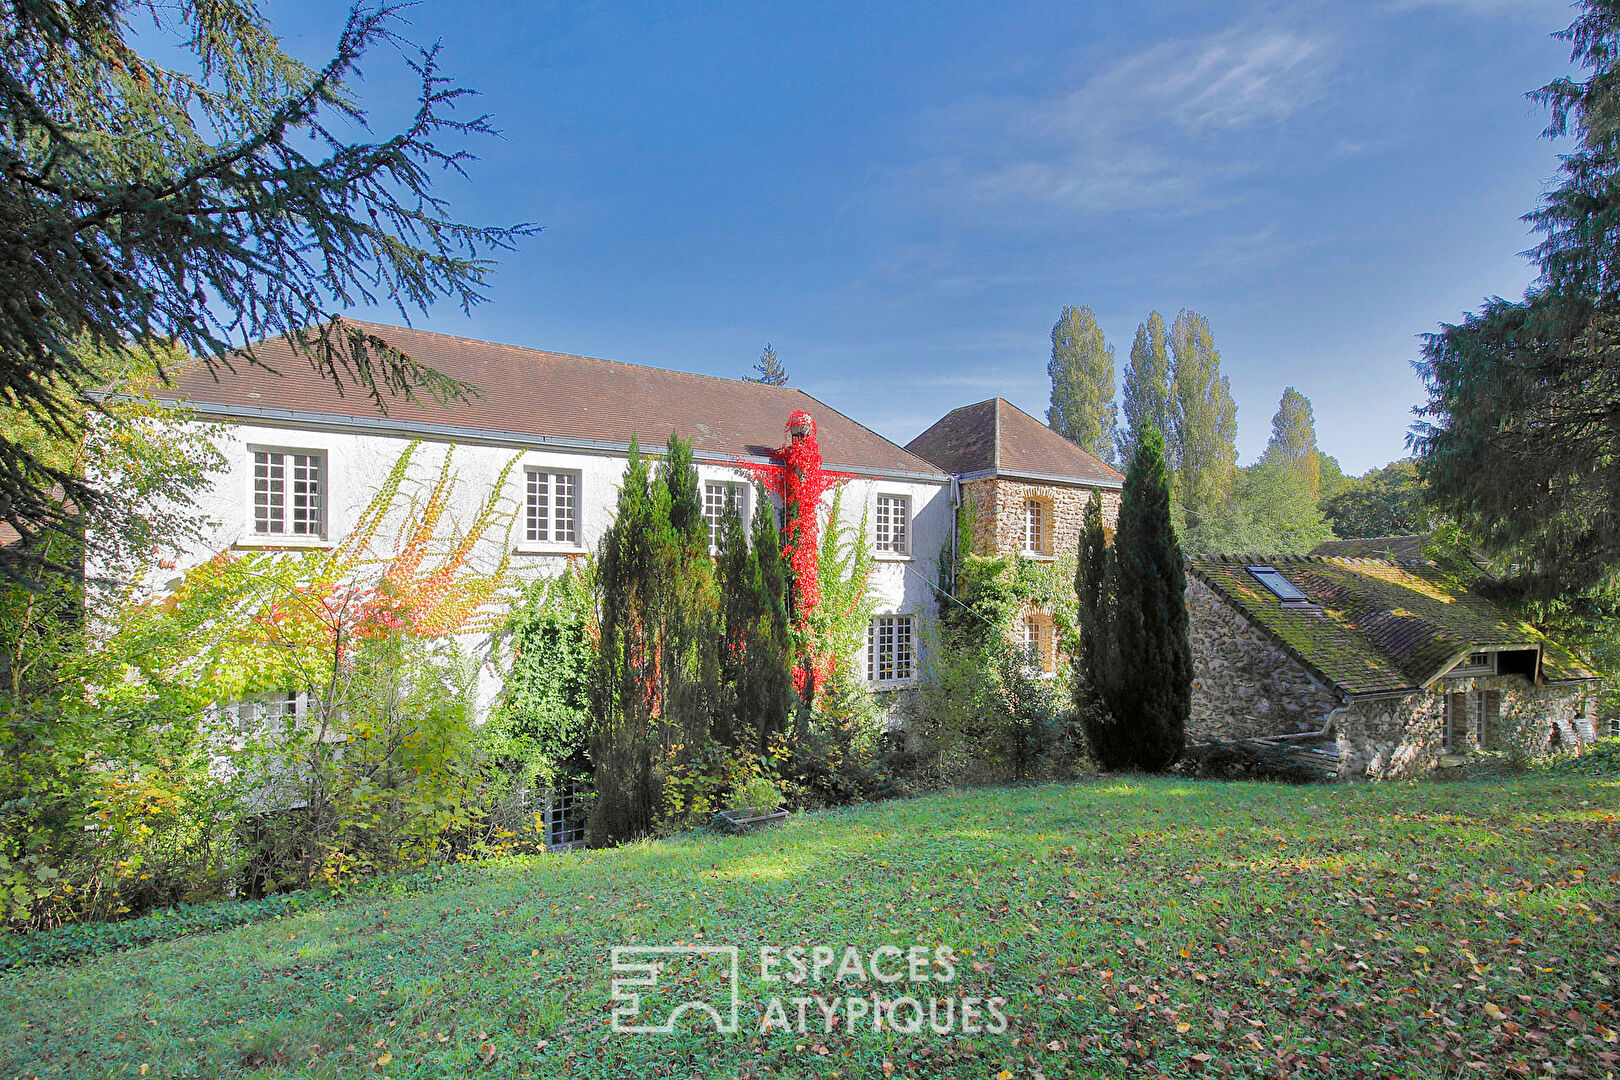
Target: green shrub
(758, 797)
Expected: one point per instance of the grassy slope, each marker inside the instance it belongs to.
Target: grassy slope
(1132, 925)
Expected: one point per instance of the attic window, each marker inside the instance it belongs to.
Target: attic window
(1280, 587)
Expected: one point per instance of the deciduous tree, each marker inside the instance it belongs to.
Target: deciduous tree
(1082, 373)
(1147, 385)
(1202, 441)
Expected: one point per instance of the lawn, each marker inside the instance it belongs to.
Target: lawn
(1132, 926)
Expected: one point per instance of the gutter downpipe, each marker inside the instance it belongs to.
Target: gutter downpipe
(956, 520)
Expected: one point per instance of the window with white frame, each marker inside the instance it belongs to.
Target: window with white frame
(891, 649)
(720, 496)
(289, 493)
(893, 521)
(551, 507)
(1037, 527)
(267, 711)
(1613, 727)
(1032, 641)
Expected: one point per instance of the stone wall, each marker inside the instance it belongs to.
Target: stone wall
(998, 514)
(1244, 684)
(1397, 738)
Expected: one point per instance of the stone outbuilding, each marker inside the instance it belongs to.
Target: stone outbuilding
(1023, 489)
(1396, 664)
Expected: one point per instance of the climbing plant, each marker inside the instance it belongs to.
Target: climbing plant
(545, 648)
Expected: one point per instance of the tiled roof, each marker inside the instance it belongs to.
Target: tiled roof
(997, 437)
(1382, 627)
(530, 393)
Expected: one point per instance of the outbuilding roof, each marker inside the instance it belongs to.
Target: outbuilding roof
(531, 394)
(1374, 626)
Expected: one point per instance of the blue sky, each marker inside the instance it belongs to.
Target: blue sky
(903, 199)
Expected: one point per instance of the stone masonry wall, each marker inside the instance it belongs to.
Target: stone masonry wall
(1244, 684)
(998, 518)
(1397, 738)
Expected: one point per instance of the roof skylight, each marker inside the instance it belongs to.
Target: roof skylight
(1280, 587)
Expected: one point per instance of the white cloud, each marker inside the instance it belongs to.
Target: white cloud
(1137, 133)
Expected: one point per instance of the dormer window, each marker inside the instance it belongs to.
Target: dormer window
(1280, 586)
(1476, 663)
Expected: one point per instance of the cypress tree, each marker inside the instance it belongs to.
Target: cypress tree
(766, 697)
(1091, 619)
(655, 683)
(1146, 674)
(737, 566)
(689, 638)
(622, 691)
(1082, 373)
(1147, 385)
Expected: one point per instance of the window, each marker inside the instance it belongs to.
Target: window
(718, 497)
(1613, 727)
(551, 508)
(1032, 640)
(1037, 527)
(1280, 587)
(894, 524)
(889, 654)
(565, 814)
(289, 490)
(266, 712)
(1472, 720)
(1456, 723)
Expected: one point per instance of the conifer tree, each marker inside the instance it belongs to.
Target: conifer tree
(1091, 620)
(1201, 443)
(690, 664)
(771, 370)
(1147, 661)
(756, 639)
(655, 683)
(623, 698)
(1147, 385)
(1518, 441)
(230, 197)
(1082, 373)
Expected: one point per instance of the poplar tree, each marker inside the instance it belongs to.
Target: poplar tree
(1146, 672)
(1147, 385)
(1293, 440)
(1082, 407)
(1202, 440)
(209, 205)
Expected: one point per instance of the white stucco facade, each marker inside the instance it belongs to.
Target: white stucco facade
(356, 462)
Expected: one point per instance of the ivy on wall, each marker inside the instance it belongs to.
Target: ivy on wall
(538, 723)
